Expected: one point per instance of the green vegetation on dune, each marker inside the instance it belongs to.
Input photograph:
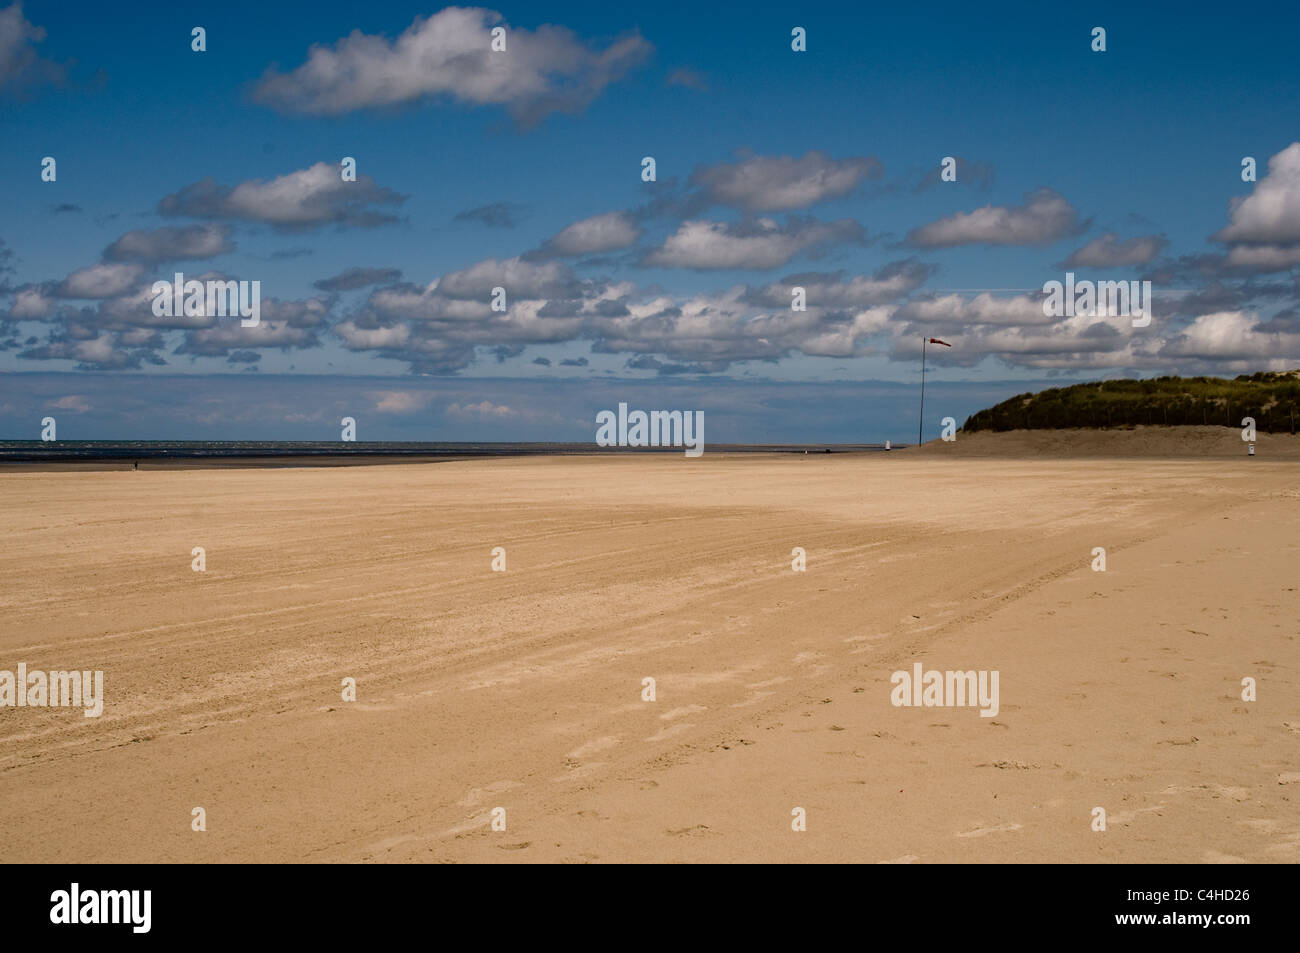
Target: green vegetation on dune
(1273, 399)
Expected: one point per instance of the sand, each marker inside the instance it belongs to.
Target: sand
(523, 689)
(1188, 443)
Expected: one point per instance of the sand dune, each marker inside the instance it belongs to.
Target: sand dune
(523, 690)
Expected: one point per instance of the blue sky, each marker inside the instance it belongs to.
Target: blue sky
(522, 169)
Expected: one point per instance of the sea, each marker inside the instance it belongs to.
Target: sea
(336, 452)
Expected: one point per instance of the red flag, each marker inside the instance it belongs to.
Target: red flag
(937, 341)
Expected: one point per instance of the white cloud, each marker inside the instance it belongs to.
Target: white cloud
(890, 283)
(520, 279)
(171, 244)
(73, 402)
(1045, 217)
(1271, 213)
(1108, 251)
(1235, 335)
(217, 339)
(1264, 258)
(600, 233)
(782, 183)
(372, 339)
(449, 54)
(100, 351)
(31, 304)
(483, 409)
(19, 63)
(99, 281)
(426, 304)
(760, 244)
(400, 401)
(1080, 341)
(984, 308)
(303, 199)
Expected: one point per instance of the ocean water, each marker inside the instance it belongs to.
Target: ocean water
(54, 451)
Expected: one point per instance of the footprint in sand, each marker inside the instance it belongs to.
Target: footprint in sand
(671, 730)
(1000, 829)
(684, 710)
(1234, 793)
(1124, 817)
(699, 830)
(477, 795)
(594, 745)
(357, 706)
(575, 771)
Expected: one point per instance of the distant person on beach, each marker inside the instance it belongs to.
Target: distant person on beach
(135, 465)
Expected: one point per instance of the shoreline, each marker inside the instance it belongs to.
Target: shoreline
(168, 457)
(1137, 443)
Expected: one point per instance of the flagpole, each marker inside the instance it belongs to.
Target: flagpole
(920, 422)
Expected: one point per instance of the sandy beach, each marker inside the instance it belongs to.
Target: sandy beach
(523, 689)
